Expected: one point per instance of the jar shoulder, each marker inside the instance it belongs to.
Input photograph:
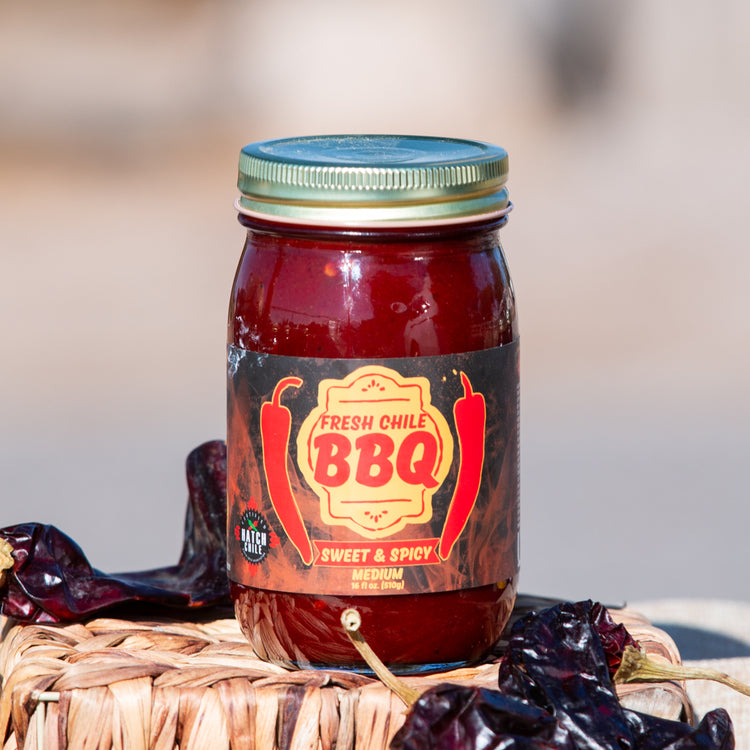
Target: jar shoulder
(355, 299)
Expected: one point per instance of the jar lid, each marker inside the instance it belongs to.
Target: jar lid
(372, 180)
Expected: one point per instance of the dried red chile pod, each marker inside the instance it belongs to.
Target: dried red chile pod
(559, 663)
(53, 581)
(452, 717)
(556, 660)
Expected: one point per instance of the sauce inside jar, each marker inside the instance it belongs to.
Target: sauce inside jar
(373, 401)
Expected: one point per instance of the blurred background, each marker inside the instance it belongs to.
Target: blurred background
(627, 126)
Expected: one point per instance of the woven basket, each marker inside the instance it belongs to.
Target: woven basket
(165, 684)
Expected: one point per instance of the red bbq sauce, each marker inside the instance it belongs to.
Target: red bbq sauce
(373, 401)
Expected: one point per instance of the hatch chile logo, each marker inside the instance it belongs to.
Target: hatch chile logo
(255, 536)
(375, 450)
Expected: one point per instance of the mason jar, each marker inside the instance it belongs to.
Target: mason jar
(373, 408)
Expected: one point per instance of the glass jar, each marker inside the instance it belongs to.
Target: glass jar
(373, 401)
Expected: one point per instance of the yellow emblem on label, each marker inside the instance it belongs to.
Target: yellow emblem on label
(375, 450)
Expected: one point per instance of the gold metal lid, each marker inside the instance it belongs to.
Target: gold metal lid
(372, 180)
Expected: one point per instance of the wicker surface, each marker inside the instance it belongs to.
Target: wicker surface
(166, 684)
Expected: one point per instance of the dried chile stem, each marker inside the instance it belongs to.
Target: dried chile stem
(637, 667)
(351, 620)
(6, 559)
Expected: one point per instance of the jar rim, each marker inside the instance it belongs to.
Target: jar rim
(330, 220)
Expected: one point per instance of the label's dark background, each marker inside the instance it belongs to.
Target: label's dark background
(487, 550)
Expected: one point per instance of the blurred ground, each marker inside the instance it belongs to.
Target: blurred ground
(627, 130)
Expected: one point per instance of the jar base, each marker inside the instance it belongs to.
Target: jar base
(411, 634)
(400, 670)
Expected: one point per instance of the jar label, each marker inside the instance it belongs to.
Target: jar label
(369, 477)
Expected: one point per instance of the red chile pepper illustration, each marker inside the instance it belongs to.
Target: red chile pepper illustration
(275, 428)
(470, 415)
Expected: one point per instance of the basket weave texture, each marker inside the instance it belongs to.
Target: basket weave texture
(164, 684)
